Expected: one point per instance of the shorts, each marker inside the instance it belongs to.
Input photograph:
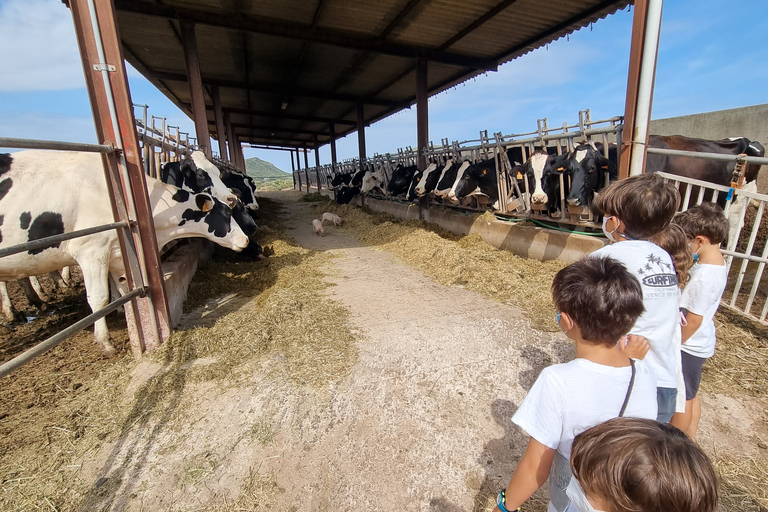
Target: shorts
(692, 366)
(666, 399)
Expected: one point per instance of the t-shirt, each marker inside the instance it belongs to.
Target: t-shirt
(653, 267)
(569, 398)
(702, 296)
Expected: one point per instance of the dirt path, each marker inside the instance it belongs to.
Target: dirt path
(421, 423)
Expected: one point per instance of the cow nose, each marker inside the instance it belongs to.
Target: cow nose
(574, 202)
(231, 200)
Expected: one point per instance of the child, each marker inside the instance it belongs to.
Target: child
(636, 209)
(628, 464)
(597, 300)
(706, 227)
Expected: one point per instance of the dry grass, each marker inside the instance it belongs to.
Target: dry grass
(466, 262)
(742, 483)
(259, 493)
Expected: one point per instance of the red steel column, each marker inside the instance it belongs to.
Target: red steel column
(189, 41)
(148, 318)
(230, 138)
(332, 132)
(298, 168)
(422, 124)
(221, 134)
(306, 167)
(293, 169)
(317, 164)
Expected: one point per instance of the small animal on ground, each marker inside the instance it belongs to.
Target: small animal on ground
(332, 217)
(317, 227)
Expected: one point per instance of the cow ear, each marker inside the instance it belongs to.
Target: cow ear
(485, 171)
(204, 202)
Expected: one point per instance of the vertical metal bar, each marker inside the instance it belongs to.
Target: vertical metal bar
(332, 133)
(230, 137)
(700, 198)
(687, 197)
(293, 169)
(361, 132)
(189, 42)
(750, 245)
(219, 118)
(306, 167)
(298, 169)
(113, 115)
(633, 83)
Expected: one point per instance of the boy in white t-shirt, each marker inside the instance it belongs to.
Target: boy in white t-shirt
(597, 302)
(634, 210)
(706, 227)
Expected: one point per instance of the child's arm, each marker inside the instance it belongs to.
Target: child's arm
(530, 474)
(694, 322)
(635, 347)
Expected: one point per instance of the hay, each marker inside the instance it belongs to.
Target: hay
(742, 483)
(739, 364)
(466, 262)
(314, 197)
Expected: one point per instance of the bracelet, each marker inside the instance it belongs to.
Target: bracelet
(501, 502)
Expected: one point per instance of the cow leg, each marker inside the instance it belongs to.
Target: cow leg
(95, 277)
(66, 275)
(10, 313)
(29, 291)
(58, 281)
(39, 290)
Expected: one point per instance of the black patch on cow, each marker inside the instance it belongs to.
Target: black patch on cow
(24, 219)
(5, 187)
(219, 218)
(45, 224)
(5, 163)
(181, 196)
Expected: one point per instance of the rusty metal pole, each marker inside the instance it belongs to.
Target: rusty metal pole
(293, 170)
(241, 155)
(148, 318)
(422, 124)
(298, 169)
(306, 167)
(332, 132)
(230, 138)
(639, 61)
(189, 41)
(361, 133)
(317, 164)
(221, 134)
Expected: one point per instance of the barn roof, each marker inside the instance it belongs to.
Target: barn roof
(285, 69)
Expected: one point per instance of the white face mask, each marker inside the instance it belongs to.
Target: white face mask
(578, 498)
(609, 234)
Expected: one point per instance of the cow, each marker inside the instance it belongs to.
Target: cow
(587, 167)
(197, 174)
(410, 195)
(401, 180)
(372, 180)
(449, 178)
(346, 193)
(429, 179)
(713, 171)
(49, 193)
(242, 186)
(340, 179)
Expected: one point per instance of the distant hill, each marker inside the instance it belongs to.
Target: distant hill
(261, 170)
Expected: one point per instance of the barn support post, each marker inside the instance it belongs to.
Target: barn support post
(293, 169)
(189, 41)
(317, 164)
(240, 154)
(221, 134)
(361, 133)
(306, 166)
(332, 132)
(298, 169)
(148, 318)
(644, 50)
(230, 138)
(422, 124)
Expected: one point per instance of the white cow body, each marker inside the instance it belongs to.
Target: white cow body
(421, 186)
(444, 193)
(54, 192)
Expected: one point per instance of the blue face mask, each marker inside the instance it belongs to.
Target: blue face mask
(696, 254)
(557, 319)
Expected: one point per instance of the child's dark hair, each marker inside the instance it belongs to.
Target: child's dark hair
(601, 297)
(673, 240)
(638, 465)
(706, 219)
(645, 204)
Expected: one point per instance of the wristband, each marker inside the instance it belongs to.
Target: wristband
(501, 502)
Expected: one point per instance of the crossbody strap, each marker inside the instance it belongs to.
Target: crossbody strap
(629, 389)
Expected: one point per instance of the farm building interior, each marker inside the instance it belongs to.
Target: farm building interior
(270, 388)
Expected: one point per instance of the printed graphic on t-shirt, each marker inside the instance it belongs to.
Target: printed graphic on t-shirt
(656, 273)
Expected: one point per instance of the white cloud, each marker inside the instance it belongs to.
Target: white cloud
(39, 47)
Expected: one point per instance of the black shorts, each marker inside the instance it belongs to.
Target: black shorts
(692, 366)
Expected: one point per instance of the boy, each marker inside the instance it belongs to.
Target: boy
(706, 227)
(634, 210)
(597, 300)
(633, 464)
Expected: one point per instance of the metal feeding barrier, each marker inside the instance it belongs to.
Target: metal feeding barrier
(514, 194)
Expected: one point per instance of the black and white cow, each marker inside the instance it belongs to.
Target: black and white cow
(340, 179)
(197, 174)
(587, 167)
(429, 179)
(401, 179)
(346, 193)
(47, 193)
(371, 181)
(448, 179)
(242, 186)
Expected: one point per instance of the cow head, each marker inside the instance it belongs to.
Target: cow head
(401, 180)
(587, 168)
(537, 165)
(754, 149)
(372, 180)
(207, 172)
(242, 186)
(482, 173)
(430, 177)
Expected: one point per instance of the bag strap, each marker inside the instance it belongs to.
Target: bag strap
(629, 389)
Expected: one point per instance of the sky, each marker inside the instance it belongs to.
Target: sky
(713, 55)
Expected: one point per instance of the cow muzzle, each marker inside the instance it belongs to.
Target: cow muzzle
(539, 198)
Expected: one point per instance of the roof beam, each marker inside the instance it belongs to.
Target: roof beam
(301, 31)
(275, 129)
(234, 84)
(286, 115)
(475, 24)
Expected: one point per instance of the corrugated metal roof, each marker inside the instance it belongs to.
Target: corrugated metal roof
(323, 57)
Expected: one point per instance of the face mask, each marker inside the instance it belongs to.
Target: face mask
(609, 234)
(578, 498)
(696, 254)
(557, 319)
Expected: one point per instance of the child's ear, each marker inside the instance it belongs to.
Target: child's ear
(566, 319)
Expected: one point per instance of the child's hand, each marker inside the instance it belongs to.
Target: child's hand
(634, 346)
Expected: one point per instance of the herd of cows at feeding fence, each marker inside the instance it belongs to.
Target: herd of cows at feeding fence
(550, 174)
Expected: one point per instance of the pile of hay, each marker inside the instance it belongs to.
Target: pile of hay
(314, 197)
(467, 261)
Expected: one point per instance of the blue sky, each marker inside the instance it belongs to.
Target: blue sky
(713, 55)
